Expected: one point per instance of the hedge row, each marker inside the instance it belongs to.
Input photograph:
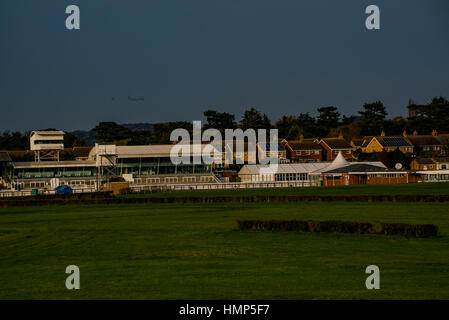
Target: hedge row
(103, 198)
(405, 229)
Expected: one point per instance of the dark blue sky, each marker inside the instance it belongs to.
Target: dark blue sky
(187, 56)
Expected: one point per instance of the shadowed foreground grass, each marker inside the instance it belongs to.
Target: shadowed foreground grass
(195, 252)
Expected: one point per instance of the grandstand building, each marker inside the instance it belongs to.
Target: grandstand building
(140, 165)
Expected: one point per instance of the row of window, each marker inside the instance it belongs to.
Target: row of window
(48, 141)
(291, 176)
(308, 152)
(428, 148)
(174, 180)
(436, 177)
(387, 175)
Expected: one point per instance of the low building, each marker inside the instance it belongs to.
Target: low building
(294, 172)
(306, 173)
(366, 174)
(344, 173)
(423, 164)
(433, 175)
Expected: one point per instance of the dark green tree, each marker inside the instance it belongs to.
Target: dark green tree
(71, 140)
(395, 126)
(372, 118)
(14, 141)
(219, 120)
(108, 132)
(160, 133)
(253, 119)
(328, 118)
(307, 125)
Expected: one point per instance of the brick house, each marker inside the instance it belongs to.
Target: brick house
(332, 146)
(242, 152)
(273, 150)
(304, 150)
(423, 164)
(425, 143)
(374, 144)
(442, 163)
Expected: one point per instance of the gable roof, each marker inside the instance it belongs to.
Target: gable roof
(424, 161)
(390, 141)
(395, 141)
(297, 145)
(443, 138)
(271, 146)
(424, 140)
(366, 141)
(336, 143)
(357, 142)
(4, 156)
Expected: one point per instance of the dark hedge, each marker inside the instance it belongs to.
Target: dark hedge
(405, 229)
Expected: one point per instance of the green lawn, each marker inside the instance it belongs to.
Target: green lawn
(172, 251)
(392, 189)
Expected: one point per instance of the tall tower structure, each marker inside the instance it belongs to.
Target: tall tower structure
(46, 145)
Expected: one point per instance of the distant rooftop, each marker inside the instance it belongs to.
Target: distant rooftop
(49, 133)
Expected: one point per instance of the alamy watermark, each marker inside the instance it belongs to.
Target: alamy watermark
(372, 22)
(247, 146)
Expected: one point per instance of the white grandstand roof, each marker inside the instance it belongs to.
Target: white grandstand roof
(149, 151)
(49, 133)
(284, 168)
(53, 164)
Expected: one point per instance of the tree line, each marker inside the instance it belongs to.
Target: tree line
(329, 122)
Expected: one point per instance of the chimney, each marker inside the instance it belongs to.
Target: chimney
(340, 135)
(434, 132)
(301, 138)
(415, 133)
(404, 133)
(382, 134)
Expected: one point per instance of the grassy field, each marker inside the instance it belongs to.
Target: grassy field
(392, 189)
(171, 251)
